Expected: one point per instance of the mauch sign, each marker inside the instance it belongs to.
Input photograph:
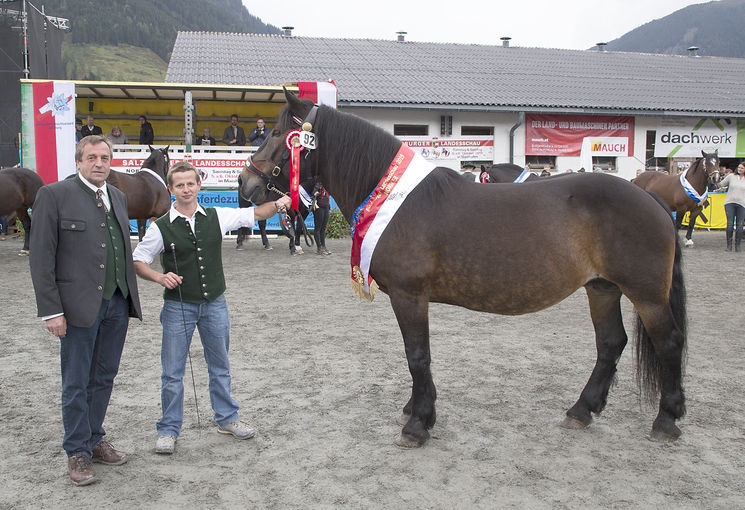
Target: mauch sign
(687, 137)
(562, 135)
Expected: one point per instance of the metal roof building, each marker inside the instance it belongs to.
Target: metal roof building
(405, 74)
(442, 91)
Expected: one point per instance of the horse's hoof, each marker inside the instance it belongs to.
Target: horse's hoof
(407, 441)
(689, 242)
(663, 436)
(573, 423)
(403, 419)
(22, 253)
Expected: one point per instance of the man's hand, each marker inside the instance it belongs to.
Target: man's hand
(57, 326)
(170, 280)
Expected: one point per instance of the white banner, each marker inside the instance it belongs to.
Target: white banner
(474, 148)
(687, 137)
(217, 170)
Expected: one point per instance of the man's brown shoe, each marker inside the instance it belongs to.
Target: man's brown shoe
(81, 470)
(106, 454)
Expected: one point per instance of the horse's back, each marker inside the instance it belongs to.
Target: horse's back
(18, 187)
(537, 242)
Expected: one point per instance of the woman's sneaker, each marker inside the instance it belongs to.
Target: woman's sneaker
(238, 429)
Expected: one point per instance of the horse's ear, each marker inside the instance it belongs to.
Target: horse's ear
(293, 100)
(151, 148)
(166, 149)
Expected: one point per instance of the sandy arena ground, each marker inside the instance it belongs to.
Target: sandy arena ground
(322, 377)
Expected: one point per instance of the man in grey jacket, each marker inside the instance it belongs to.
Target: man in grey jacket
(86, 290)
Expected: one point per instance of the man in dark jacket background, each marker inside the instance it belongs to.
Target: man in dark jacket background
(146, 131)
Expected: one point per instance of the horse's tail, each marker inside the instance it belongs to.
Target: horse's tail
(648, 365)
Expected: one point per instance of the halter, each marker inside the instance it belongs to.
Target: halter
(271, 184)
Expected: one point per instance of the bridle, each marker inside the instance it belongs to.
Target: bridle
(271, 184)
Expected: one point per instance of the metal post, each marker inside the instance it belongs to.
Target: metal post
(25, 41)
(188, 120)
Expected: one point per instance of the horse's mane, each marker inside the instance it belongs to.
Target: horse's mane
(366, 155)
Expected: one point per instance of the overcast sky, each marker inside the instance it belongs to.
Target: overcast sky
(573, 24)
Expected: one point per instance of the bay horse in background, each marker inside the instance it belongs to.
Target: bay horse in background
(244, 232)
(18, 187)
(432, 251)
(147, 194)
(670, 188)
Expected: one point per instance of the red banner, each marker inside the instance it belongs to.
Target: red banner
(561, 135)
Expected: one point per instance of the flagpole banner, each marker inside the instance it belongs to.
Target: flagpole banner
(49, 131)
(320, 92)
(686, 137)
(562, 135)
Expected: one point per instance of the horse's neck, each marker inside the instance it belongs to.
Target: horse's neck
(697, 176)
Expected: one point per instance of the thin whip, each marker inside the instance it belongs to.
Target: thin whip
(186, 336)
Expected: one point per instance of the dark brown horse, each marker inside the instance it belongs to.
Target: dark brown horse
(681, 200)
(147, 194)
(509, 172)
(547, 239)
(18, 187)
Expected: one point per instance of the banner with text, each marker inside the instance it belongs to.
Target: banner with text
(217, 170)
(687, 137)
(562, 135)
(475, 148)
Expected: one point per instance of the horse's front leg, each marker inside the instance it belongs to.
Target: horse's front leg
(412, 315)
(141, 224)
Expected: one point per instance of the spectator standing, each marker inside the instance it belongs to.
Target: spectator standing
(86, 290)
(234, 134)
(3, 227)
(90, 128)
(116, 137)
(146, 131)
(321, 212)
(258, 134)
(188, 239)
(734, 205)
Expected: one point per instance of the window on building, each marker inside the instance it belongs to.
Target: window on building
(540, 162)
(410, 130)
(604, 164)
(652, 163)
(476, 130)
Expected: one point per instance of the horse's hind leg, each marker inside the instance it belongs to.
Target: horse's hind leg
(412, 315)
(610, 340)
(26, 222)
(660, 358)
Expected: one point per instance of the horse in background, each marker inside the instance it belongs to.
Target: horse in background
(559, 226)
(506, 173)
(18, 187)
(244, 232)
(146, 190)
(684, 192)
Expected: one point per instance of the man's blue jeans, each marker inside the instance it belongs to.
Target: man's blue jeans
(211, 319)
(89, 360)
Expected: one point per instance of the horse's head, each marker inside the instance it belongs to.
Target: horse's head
(158, 161)
(711, 164)
(266, 174)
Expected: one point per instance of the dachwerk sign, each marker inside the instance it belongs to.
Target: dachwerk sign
(687, 137)
(562, 135)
